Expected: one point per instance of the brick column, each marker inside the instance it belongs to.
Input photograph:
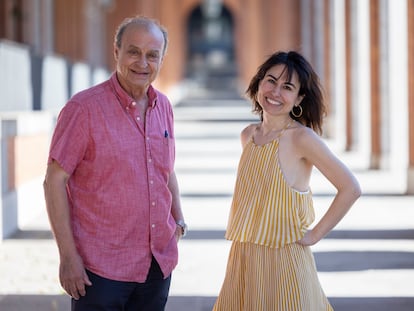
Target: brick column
(375, 86)
(410, 179)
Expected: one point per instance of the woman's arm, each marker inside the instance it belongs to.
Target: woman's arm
(319, 155)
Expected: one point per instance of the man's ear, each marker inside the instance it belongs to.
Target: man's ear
(116, 52)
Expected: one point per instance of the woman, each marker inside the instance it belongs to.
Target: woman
(270, 265)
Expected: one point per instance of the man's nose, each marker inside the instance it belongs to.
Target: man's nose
(142, 61)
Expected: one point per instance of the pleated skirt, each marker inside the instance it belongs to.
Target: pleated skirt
(260, 278)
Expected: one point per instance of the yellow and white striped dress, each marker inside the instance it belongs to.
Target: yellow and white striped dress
(266, 269)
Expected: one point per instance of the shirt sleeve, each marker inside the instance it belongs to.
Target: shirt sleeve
(70, 137)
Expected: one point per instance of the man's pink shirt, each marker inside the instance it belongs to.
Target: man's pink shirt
(119, 169)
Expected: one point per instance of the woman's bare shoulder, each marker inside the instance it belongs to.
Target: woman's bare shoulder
(303, 133)
(247, 133)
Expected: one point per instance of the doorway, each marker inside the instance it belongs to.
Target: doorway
(211, 55)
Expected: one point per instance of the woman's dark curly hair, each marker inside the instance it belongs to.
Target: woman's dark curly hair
(312, 103)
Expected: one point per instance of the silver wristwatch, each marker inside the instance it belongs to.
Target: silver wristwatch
(183, 227)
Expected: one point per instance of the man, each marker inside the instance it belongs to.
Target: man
(111, 191)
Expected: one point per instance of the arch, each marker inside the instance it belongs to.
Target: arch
(210, 39)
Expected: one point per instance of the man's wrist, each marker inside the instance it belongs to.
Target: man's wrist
(183, 227)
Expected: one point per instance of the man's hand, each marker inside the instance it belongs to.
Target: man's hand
(73, 277)
(178, 233)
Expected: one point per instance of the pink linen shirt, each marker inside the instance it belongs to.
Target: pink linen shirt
(119, 169)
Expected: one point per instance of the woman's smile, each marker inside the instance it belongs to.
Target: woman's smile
(273, 102)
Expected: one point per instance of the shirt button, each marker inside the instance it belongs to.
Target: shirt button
(151, 182)
(148, 138)
(153, 226)
(153, 203)
(133, 104)
(150, 160)
(138, 118)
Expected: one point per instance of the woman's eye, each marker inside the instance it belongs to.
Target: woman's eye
(271, 81)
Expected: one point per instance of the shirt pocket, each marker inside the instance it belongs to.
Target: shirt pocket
(163, 153)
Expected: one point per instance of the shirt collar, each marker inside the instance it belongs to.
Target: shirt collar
(127, 101)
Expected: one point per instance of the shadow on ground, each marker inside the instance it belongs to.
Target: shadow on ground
(219, 234)
(193, 303)
(326, 261)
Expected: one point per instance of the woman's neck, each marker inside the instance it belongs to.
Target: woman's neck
(275, 125)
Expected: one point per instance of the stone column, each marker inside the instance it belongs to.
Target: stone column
(338, 57)
(398, 85)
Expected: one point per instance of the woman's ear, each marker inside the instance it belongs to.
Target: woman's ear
(300, 98)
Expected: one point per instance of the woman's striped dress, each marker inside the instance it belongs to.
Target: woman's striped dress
(266, 269)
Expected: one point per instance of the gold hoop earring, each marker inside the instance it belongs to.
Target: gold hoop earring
(297, 115)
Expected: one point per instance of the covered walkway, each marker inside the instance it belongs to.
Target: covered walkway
(366, 263)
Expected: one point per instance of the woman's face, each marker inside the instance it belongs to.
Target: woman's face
(276, 94)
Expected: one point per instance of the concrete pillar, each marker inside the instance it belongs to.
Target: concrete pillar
(8, 215)
(55, 82)
(360, 79)
(338, 73)
(95, 28)
(15, 70)
(319, 38)
(22, 133)
(306, 28)
(398, 85)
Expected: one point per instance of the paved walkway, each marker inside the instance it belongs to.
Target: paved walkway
(366, 263)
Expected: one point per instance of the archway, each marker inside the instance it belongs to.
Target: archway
(211, 57)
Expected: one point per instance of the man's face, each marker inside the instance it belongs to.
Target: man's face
(139, 58)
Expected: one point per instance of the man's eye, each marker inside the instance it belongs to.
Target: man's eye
(153, 56)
